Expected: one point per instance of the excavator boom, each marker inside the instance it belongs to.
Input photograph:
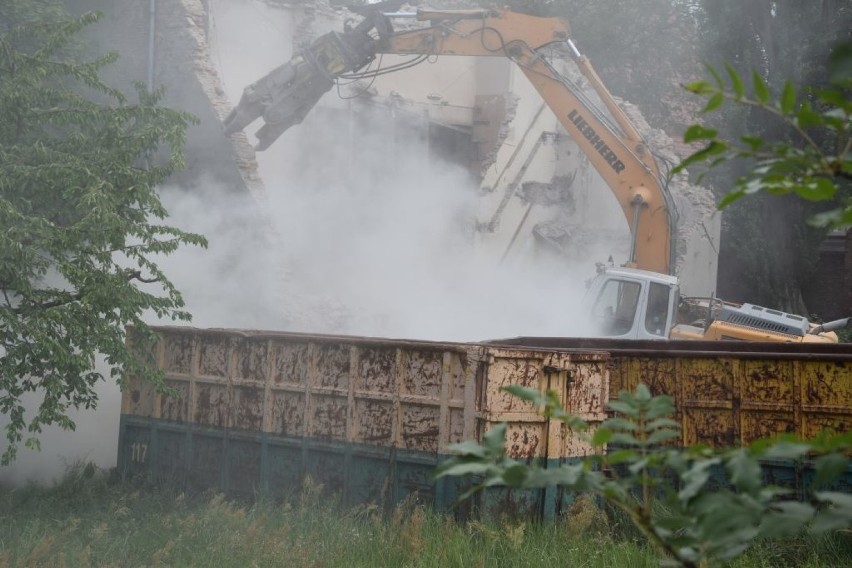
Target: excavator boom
(616, 150)
(613, 145)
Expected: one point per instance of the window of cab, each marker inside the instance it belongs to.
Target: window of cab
(615, 307)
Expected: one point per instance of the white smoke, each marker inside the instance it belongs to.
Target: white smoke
(95, 439)
(389, 239)
(376, 235)
(363, 233)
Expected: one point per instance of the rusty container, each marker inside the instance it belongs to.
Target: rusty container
(257, 412)
(730, 393)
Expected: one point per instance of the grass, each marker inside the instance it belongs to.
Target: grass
(86, 520)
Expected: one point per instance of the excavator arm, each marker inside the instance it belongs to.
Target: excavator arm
(615, 149)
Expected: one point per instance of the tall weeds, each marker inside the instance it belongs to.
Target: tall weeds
(89, 520)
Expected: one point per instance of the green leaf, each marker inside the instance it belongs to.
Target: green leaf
(832, 97)
(619, 424)
(601, 437)
(827, 468)
(736, 82)
(716, 76)
(621, 456)
(468, 448)
(842, 501)
(457, 469)
(830, 520)
(786, 518)
(525, 393)
(836, 119)
(834, 218)
(786, 450)
(761, 91)
(807, 117)
(695, 478)
(698, 132)
(660, 406)
(730, 197)
(494, 440)
(744, 471)
(827, 441)
(569, 476)
(817, 189)
(663, 423)
(663, 435)
(573, 422)
(515, 475)
(788, 98)
(623, 408)
(714, 148)
(700, 88)
(638, 466)
(623, 438)
(714, 102)
(753, 142)
(836, 511)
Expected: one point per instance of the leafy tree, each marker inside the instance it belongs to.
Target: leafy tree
(79, 166)
(672, 495)
(769, 251)
(814, 168)
(806, 153)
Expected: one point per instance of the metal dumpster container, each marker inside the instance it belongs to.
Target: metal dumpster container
(368, 418)
(730, 393)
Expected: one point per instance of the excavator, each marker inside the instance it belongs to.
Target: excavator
(640, 300)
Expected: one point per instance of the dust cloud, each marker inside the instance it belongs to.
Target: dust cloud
(363, 232)
(376, 234)
(95, 439)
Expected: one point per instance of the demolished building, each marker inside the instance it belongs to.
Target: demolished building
(530, 196)
(494, 123)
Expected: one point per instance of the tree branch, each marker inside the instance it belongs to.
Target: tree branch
(70, 297)
(137, 275)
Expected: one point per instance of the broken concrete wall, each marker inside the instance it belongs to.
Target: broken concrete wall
(165, 40)
(220, 193)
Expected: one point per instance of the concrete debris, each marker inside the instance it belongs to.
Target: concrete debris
(556, 192)
(489, 155)
(577, 243)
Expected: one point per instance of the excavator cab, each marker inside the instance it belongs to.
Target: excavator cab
(628, 303)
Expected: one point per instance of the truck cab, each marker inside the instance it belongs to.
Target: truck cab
(629, 303)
